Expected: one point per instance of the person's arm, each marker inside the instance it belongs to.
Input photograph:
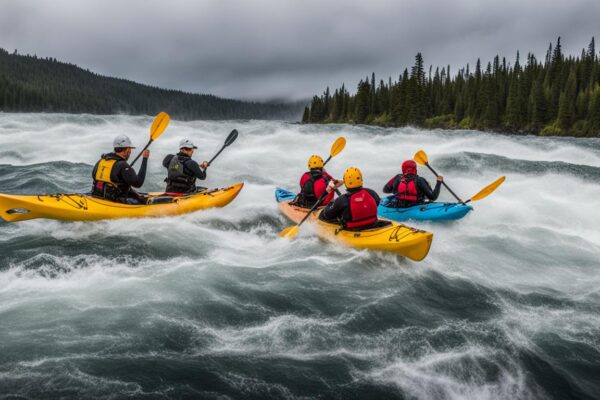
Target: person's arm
(389, 187)
(167, 160)
(426, 189)
(334, 210)
(196, 170)
(131, 178)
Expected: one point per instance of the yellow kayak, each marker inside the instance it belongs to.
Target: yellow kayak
(394, 237)
(83, 207)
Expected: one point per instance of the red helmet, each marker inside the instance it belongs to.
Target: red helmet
(409, 167)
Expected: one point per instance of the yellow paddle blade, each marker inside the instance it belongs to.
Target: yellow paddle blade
(489, 189)
(289, 232)
(421, 157)
(337, 146)
(160, 123)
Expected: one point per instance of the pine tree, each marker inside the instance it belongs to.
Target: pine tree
(594, 113)
(306, 115)
(538, 105)
(566, 111)
(362, 101)
(416, 91)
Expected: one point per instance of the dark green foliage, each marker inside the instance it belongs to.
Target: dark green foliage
(32, 84)
(362, 102)
(306, 115)
(559, 96)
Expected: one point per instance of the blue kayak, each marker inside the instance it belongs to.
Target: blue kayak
(424, 212)
(284, 195)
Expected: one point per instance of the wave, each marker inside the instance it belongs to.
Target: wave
(215, 304)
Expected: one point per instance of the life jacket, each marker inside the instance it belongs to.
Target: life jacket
(307, 196)
(104, 186)
(178, 181)
(363, 210)
(405, 188)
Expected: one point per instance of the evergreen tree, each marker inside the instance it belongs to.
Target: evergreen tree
(306, 115)
(566, 111)
(538, 105)
(416, 92)
(560, 94)
(362, 101)
(594, 113)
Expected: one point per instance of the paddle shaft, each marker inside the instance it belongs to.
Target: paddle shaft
(142, 152)
(444, 183)
(216, 155)
(313, 208)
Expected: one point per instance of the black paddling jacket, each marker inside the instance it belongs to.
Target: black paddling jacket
(117, 184)
(182, 173)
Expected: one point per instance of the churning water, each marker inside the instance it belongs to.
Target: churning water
(215, 305)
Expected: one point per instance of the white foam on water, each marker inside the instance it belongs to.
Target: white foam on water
(536, 236)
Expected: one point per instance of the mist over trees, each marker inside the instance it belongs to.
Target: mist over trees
(32, 84)
(559, 95)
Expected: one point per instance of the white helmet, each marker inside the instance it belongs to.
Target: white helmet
(122, 141)
(187, 144)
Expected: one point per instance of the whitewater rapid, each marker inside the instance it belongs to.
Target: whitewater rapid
(506, 305)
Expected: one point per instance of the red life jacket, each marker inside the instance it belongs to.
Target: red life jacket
(313, 187)
(406, 188)
(363, 210)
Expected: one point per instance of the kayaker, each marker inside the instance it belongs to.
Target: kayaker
(182, 171)
(357, 208)
(411, 189)
(313, 183)
(114, 178)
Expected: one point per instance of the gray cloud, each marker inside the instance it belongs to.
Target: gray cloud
(285, 49)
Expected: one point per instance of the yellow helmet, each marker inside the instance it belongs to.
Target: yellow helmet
(315, 162)
(353, 178)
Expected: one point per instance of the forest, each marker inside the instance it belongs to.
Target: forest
(558, 96)
(32, 84)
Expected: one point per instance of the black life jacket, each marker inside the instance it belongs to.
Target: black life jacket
(406, 190)
(363, 210)
(178, 179)
(307, 195)
(104, 186)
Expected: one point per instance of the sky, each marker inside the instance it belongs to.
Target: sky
(286, 49)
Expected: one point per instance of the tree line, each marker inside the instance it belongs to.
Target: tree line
(32, 84)
(557, 96)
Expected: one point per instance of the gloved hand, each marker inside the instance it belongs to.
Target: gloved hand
(331, 186)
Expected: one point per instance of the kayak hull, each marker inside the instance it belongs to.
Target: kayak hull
(82, 207)
(424, 212)
(396, 238)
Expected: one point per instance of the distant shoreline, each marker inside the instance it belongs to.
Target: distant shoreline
(33, 84)
(559, 96)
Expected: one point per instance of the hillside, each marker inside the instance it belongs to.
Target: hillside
(33, 84)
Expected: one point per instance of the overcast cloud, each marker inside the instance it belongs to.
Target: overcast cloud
(268, 49)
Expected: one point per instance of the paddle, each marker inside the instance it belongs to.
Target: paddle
(230, 139)
(336, 148)
(292, 231)
(486, 191)
(160, 123)
(421, 158)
